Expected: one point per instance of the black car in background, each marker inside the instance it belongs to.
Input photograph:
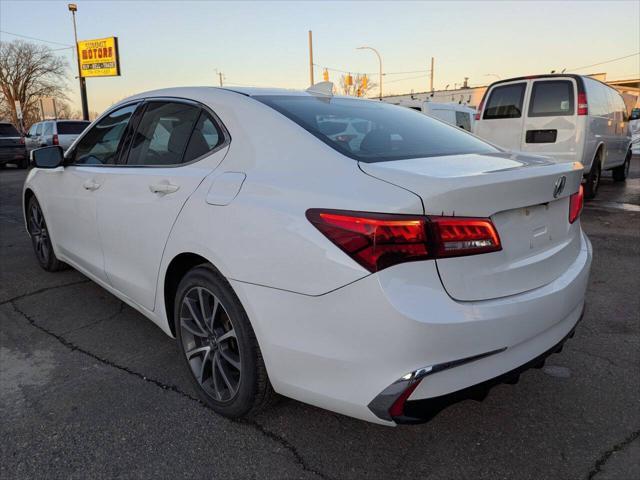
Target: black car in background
(12, 149)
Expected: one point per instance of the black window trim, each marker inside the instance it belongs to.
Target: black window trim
(574, 99)
(490, 93)
(122, 157)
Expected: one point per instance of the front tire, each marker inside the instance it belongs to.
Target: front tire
(593, 180)
(621, 173)
(218, 345)
(40, 238)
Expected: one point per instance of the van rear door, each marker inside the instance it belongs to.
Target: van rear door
(551, 120)
(502, 117)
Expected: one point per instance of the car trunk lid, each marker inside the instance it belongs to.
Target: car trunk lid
(519, 194)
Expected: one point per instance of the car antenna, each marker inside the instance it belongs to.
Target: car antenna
(321, 88)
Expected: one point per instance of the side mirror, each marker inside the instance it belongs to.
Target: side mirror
(635, 114)
(47, 157)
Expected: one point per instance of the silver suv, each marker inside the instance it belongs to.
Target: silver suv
(54, 132)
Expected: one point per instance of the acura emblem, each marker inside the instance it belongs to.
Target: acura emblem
(559, 186)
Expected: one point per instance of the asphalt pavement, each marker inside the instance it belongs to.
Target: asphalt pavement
(91, 389)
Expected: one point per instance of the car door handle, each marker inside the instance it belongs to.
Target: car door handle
(91, 185)
(164, 188)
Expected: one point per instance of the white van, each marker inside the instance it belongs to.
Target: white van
(567, 117)
(452, 113)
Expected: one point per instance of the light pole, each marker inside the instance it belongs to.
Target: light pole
(379, 61)
(73, 8)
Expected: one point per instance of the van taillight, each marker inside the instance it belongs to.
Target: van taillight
(55, 140)
(380, 240)
(583, 107)
(576, 202)
(479, 112)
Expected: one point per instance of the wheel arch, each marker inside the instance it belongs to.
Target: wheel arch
(598, 151)
(177, 268)
(28, 194)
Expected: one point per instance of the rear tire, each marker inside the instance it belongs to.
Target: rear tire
(593, 180)
(218, 345)
(23, 164)
(621, 173)
(40, 238)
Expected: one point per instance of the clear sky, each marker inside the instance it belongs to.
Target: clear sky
(170, 43)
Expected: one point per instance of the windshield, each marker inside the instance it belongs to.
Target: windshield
(370, 131)
(8, 130)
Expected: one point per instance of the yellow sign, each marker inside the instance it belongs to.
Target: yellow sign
(99, 57)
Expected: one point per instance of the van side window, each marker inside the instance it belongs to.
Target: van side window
(551, 98)
(505, 102)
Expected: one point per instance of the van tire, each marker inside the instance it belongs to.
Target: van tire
(621, 173)
(593, 180)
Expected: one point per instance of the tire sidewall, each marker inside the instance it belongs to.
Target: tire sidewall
(206, 277)
(51, 264)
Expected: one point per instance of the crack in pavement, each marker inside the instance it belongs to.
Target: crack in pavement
(105, 319)
(604, 458)
(172, 388)
(42, 290)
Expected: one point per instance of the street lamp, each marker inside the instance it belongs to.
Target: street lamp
(73, 8)
(379, 61)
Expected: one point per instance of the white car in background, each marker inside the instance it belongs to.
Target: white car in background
(570, 118)
(54, 132)
(382, 281)
(457, 114)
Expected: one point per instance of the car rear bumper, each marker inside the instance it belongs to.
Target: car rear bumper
(341, 350)
(12, 155)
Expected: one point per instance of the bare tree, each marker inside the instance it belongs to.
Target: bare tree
(359, 87)
(29, 71)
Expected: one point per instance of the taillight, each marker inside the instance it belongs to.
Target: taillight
(479, 112)
(465, 236)
(576, 202)
(583, 106)
(55, 140)
(379, 240)
(21, 140)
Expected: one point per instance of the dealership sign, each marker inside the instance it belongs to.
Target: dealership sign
(99, 57)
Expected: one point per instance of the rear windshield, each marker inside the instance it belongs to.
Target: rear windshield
(505, 102)
(71, 128)
(370, 131)
(8, 130)
(551, 98)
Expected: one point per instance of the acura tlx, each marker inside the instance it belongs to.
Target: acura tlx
(354, 255)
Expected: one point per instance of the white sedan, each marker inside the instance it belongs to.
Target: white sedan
(382, 279)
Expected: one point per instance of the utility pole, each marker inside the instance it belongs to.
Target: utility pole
(310, 57)
(220, 75)
(431, 74)
(73, 8)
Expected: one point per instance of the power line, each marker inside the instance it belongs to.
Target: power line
(602, 63)
(410, 78)
(36, 39)
(369, 73)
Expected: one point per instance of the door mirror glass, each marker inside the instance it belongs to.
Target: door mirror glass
(635, 114)
(47, 157)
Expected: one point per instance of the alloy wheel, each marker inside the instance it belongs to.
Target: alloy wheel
(39, 233)
(210, 344)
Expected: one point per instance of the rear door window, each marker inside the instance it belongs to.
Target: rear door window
(48, 128)
(505, 102)
(205, 137)
(39, 129)
(71, 128)
(463, 120)
(551, 98)
(8, 130)
(162, 134)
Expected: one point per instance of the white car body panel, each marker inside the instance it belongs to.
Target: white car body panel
(331, 333)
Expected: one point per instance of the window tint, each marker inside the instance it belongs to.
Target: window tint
(100, 144)
(48, 128)
(463, 120)
(551, 98)
(39, 129)
(505, 102)
(71, 128)
(371, 131)
(8, 130)
(163, 133)
(205, 137)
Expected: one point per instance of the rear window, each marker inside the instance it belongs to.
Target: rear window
(8, 130)
(505, 102)
(370, 131)
(71, 128)
(551, 98)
